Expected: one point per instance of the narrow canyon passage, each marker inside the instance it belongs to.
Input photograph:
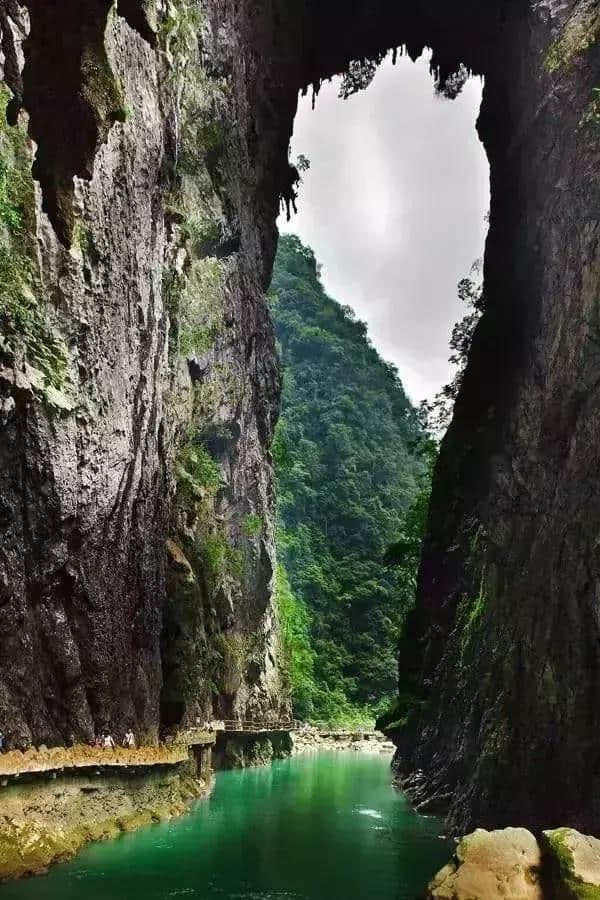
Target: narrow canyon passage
(225, 516)
(314, 827)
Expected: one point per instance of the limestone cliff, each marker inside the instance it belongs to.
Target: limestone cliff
(138, 381)
(502, 654)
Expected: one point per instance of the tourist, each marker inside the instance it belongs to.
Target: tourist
(2, 742)
(107, 741)
(129, 740)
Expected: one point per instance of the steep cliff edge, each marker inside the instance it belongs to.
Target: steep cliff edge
(501, 655)
(138, 381)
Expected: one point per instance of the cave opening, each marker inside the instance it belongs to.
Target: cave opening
(390, 218)
(506, 546)
(394, 201)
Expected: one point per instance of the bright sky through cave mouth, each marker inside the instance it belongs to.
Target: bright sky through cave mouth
(394, 206)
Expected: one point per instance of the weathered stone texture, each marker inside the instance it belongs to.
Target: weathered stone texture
(49, 822)
(88, 492)
(503, 647)
(511, 863)
(491, 864)
(573, 862)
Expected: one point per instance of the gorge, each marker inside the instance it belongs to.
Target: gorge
(143, 158)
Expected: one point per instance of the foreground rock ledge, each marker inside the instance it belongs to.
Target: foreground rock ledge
(512, 864)
(44, 823)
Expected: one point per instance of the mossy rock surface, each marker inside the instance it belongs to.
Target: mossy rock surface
(27, 848)
(573, 861)
(49, 822)
(136, 820)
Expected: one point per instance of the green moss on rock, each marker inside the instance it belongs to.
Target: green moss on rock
(252, 525)
(591, 115)
(198, 474)
(574, 863)
(201, 309)
(577, 37)
(233, 650)
(53, 826)
(470, 614)
(27, 339)
(135, 821)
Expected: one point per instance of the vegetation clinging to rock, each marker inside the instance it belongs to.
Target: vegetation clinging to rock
(26, 333)
(344, 605)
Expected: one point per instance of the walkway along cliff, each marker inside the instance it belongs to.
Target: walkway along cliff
(143, 158)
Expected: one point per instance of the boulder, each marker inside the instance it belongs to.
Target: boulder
(491, 864)
(573, 863)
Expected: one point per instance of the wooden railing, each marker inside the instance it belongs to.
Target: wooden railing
(291, 725)
(254, 727)
(342, 729)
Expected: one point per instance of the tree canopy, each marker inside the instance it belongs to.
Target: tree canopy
(349, 466)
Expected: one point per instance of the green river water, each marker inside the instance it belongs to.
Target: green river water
(327, 826)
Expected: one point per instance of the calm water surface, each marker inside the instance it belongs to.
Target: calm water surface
(318, 827)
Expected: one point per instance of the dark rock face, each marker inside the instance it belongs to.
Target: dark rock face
(83, 486)
(241, 751)
(98, 399)
(155, 333)
(504, 641)
(502, 649)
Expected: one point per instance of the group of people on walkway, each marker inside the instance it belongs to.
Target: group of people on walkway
(105, 740)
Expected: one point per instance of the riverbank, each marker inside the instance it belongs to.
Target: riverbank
(43, 823)
(322, 826)
(54, 801)
(309, 740)
(512, 864)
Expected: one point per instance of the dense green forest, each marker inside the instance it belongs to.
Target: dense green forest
(352, 479)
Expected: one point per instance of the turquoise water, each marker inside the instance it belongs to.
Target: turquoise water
(317, 827)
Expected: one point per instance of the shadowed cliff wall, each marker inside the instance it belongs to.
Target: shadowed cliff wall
(502, 651)
(138, 383)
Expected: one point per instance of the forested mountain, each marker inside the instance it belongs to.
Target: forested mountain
(348, 465)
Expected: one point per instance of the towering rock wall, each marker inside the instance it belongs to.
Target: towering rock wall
(499, 671)
(503, 649)
(138, 382)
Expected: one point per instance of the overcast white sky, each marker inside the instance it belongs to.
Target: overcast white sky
(394, 207)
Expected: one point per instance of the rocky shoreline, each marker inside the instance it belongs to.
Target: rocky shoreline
(47, 822)
(512, 864)
(55, 800)
(313, 739)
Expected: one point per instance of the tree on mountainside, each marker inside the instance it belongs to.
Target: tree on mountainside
(347, 472)
(437, 413)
